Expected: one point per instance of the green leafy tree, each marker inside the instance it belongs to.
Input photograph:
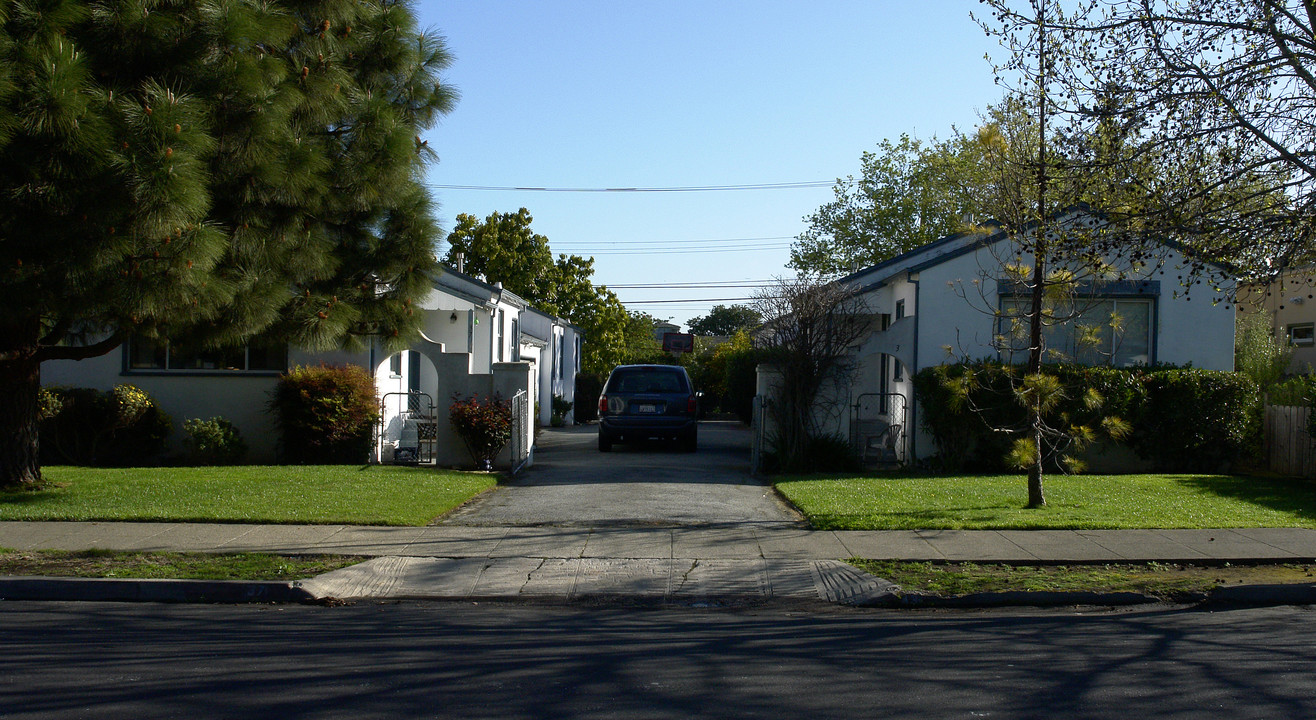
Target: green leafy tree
(204, 172)
(909, 193)
(726, 320)
(1258, 353)
(503, 247)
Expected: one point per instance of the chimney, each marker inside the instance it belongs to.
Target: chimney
(461, 261)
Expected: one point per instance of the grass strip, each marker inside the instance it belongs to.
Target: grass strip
(168, 565)
(1167, 580)
(997, 502)
(278, 494)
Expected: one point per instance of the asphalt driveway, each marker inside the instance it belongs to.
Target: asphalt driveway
(643, 485)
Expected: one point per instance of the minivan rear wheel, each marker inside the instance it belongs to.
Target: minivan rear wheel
(605, 442)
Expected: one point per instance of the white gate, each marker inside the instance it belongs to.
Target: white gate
(522, 431)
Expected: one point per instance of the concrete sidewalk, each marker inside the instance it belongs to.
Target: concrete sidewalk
(671, 564)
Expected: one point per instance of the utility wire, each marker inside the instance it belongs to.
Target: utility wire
(689, 188)
(700, 285)
(692, 301)
(680, 252)
(667, 243)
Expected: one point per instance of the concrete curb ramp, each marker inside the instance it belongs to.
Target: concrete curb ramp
(571, 579)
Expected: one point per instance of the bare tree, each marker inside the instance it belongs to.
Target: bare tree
(809, 334)
(1218, 95)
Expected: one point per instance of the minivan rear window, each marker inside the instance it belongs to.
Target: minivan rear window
(643, 380)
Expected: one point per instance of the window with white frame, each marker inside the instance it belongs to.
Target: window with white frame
(1106, 331)
(1302, 334)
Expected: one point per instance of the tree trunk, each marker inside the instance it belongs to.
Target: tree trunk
(20, 464)
(1035, 497)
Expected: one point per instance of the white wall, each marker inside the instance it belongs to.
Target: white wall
(240, 398)
(953, 303)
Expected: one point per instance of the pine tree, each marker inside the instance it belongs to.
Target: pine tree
(204, 172)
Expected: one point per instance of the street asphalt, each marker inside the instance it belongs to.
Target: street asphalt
(641, 531)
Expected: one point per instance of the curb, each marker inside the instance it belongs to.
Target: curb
(140, 590)
(1235, 596)
(879, 594)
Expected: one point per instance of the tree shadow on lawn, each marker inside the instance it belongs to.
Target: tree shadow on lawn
(26, 497)
(1295, 496)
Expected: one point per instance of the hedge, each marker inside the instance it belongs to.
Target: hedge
(1182, 419)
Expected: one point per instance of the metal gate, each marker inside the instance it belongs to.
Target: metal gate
(878, 428)
(407, 433)
(521, 431)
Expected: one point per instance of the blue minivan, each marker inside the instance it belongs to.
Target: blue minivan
(646, 401)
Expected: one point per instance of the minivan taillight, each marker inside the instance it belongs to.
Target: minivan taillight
(603, 404)
(692, 406)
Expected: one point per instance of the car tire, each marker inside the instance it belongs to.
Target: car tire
(690, 441)
(605, 442)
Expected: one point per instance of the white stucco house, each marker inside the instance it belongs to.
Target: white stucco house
(476, 339)
(945, 302)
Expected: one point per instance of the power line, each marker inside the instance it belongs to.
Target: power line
(689, 188)
(668, 243)
(684, 252)
(700, 285)
(690, 301)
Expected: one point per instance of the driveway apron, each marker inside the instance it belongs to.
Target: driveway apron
(636, 485)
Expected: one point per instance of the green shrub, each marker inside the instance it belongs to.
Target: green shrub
(485, 426)
(119, 427)
(558, 413)
(326, 414)
(1181, 420)
(1299, 391)
(214, 442)
(822, 454)
(1198, 419)
(740, 383)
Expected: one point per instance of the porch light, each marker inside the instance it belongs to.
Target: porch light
(453, 318)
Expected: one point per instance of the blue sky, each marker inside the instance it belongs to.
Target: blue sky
(639, 94)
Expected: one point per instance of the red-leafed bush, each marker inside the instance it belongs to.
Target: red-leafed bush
(484, 425)
(326, 414)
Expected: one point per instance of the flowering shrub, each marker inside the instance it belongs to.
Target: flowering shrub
(83, 426)
(484, 425)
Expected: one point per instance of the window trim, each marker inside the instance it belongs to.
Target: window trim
(1308, 341)
(1150, 296)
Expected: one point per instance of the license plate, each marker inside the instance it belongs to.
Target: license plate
(647, 408)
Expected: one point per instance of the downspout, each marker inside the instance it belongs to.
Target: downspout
(913, 396)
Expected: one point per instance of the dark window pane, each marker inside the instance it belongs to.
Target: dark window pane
(146, 354)
(267, 356)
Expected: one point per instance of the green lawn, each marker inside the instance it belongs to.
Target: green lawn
(313, 494)
(1075, 501)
